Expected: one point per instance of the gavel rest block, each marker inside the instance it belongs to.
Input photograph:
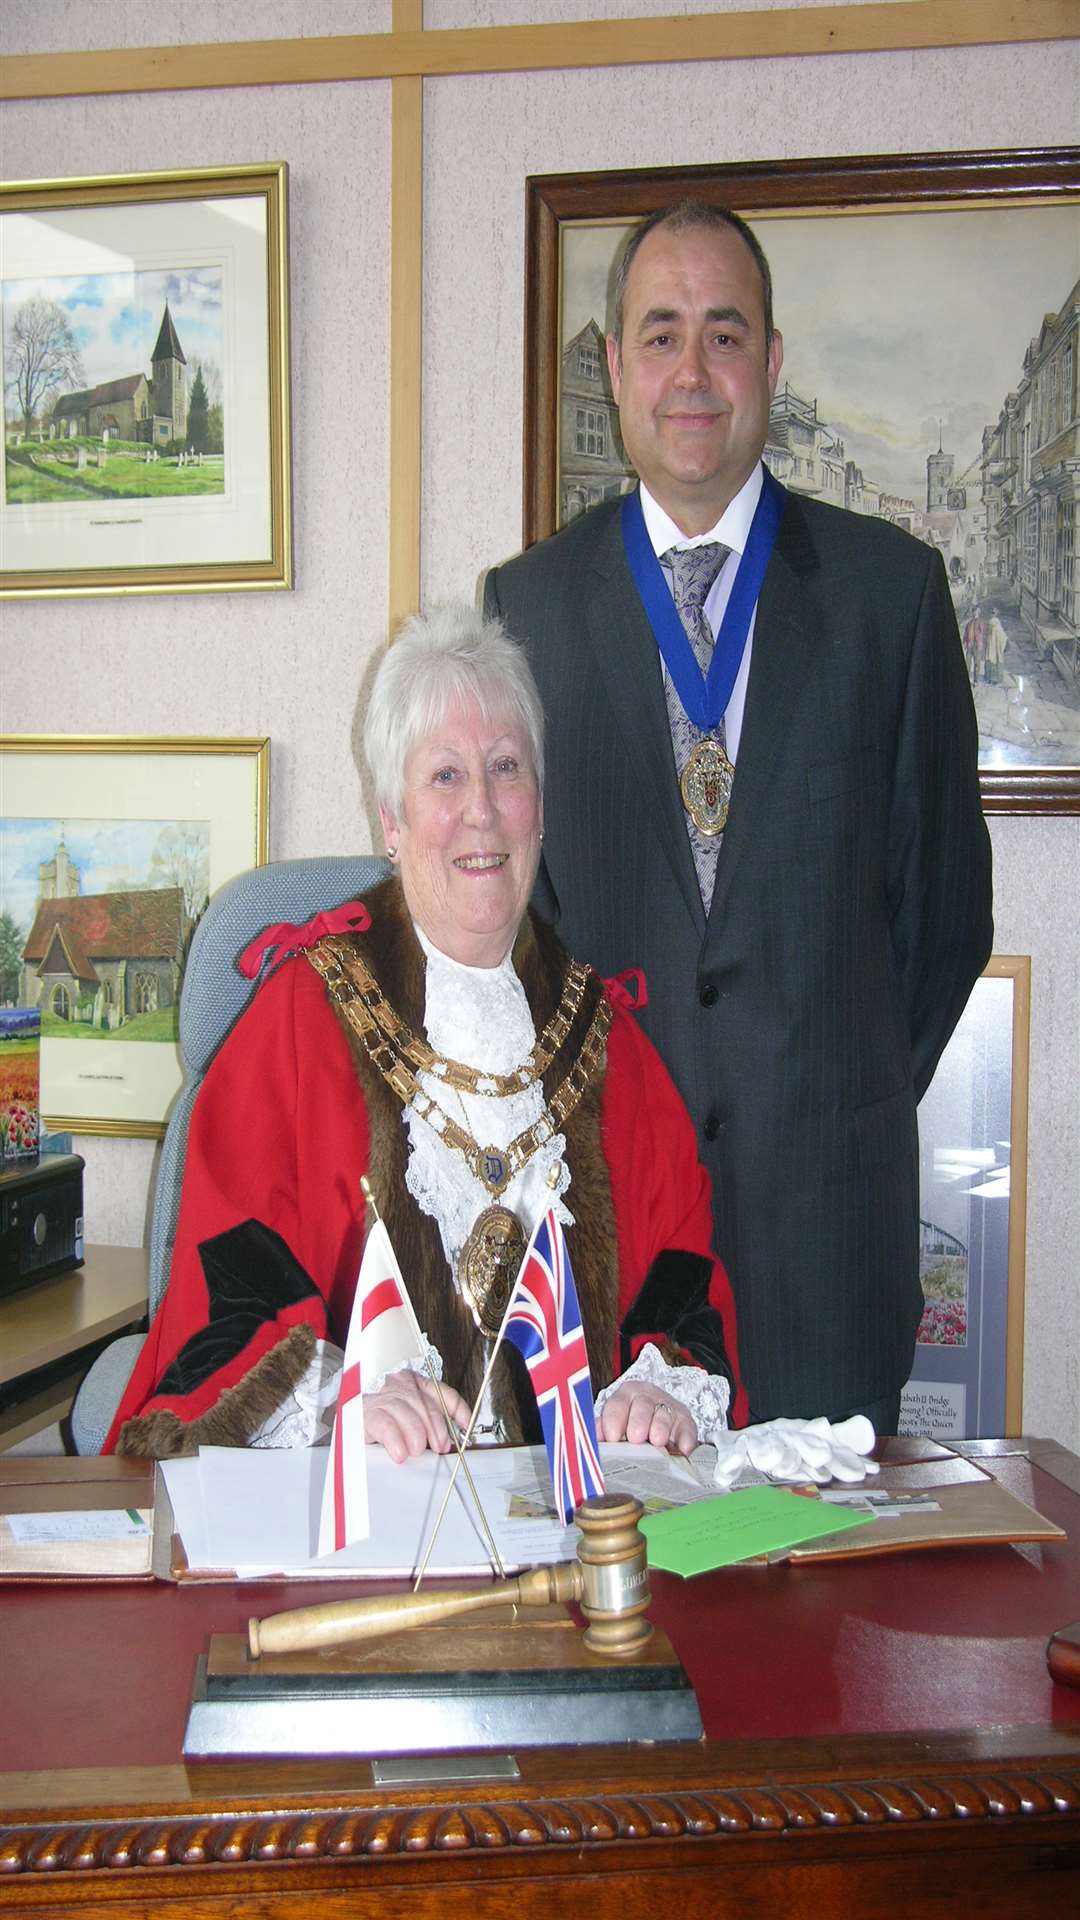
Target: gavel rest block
(471, 1684)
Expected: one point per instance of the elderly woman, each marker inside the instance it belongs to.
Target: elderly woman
(443, 1043)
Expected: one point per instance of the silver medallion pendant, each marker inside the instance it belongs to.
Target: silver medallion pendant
(705, 786)
(489, 1265)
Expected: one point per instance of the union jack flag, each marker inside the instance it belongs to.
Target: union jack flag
(544, 1323)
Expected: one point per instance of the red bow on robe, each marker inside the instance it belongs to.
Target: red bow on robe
(628, 990)
(285, 938)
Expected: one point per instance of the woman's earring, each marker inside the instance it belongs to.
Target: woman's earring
(391, 853)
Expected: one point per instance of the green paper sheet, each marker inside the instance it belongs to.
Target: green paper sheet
(739, 1526)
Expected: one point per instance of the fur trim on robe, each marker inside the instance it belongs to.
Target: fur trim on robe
(235, 1416)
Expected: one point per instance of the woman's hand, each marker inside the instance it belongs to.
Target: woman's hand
(639, 1412)
(406, 1416)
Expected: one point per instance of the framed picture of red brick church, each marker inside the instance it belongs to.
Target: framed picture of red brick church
(144, 333)
(110, 849)
(930, 311)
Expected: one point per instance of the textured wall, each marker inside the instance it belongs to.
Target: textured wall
(283, 664)
(289, 665)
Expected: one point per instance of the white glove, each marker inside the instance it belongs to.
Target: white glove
(797, 1450)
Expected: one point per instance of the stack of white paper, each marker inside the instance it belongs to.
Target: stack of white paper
(255, 1512)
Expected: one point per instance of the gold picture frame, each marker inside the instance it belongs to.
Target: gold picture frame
(145, 337)
(136, 833)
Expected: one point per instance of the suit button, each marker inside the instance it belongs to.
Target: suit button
(708, 995)
(711, 1127)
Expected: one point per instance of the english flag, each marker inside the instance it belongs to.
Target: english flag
(382, 1335)
(544, 1323)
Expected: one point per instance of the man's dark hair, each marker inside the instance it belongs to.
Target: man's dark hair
(684, 218)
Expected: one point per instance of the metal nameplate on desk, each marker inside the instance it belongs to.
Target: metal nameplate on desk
(443, 1769)
(449, 1689)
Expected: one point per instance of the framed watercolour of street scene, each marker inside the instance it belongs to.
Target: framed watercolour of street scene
(929, 306)
(967, 1380)
(146, 394)
(109, 852)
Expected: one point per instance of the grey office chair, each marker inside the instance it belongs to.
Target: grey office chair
(214, 995)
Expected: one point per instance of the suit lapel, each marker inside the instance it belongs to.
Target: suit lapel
(781, 667)
(627, 660)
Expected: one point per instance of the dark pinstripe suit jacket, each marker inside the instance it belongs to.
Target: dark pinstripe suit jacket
(851, 915)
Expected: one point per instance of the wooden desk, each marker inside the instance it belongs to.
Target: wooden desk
(818, 1791)
(65, 1318)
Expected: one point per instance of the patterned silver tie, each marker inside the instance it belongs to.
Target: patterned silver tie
(693, 570)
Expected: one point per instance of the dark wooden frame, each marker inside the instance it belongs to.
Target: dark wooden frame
(1037, 174)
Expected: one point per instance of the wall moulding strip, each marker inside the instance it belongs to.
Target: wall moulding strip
(881, 26)
(406, 331)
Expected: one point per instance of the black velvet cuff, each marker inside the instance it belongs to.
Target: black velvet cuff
(674, 1302)
(251, 1276)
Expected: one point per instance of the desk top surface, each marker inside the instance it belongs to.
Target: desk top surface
(943, 1640)
(882, 1737)
(57, 1317)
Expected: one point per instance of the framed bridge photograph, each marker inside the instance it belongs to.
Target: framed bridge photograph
(110, 849)
(930, 312)
(967, 1380)
(144, 323)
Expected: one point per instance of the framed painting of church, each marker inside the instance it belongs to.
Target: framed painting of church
(930, 311)
(110, 850)
(144, 323)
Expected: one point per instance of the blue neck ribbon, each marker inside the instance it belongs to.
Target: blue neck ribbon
(704, 697)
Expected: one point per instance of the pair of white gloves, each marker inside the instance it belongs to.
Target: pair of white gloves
(794, 1451)
(791, 1451)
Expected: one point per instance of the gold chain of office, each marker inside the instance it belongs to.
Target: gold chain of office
(395, 1052)
(399, 1036)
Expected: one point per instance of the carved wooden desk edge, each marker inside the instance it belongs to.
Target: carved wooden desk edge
(739, 1796)
(135, 1836)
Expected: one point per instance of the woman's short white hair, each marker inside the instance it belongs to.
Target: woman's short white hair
(450, 656)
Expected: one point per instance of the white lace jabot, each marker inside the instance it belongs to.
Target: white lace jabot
(479, 1015)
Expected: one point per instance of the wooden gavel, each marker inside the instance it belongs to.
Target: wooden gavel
(609, 1580)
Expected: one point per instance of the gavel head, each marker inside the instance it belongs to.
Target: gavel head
(614, 1573)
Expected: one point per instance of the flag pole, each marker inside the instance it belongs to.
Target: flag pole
(451, 1429)
(571, 1440)
(434, 1534)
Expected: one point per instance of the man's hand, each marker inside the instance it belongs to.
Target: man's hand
(406, 1416)
(642, 1413)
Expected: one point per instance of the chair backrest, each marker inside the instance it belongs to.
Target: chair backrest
(215, 994)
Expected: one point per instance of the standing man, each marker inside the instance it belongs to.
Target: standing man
(762, 790)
